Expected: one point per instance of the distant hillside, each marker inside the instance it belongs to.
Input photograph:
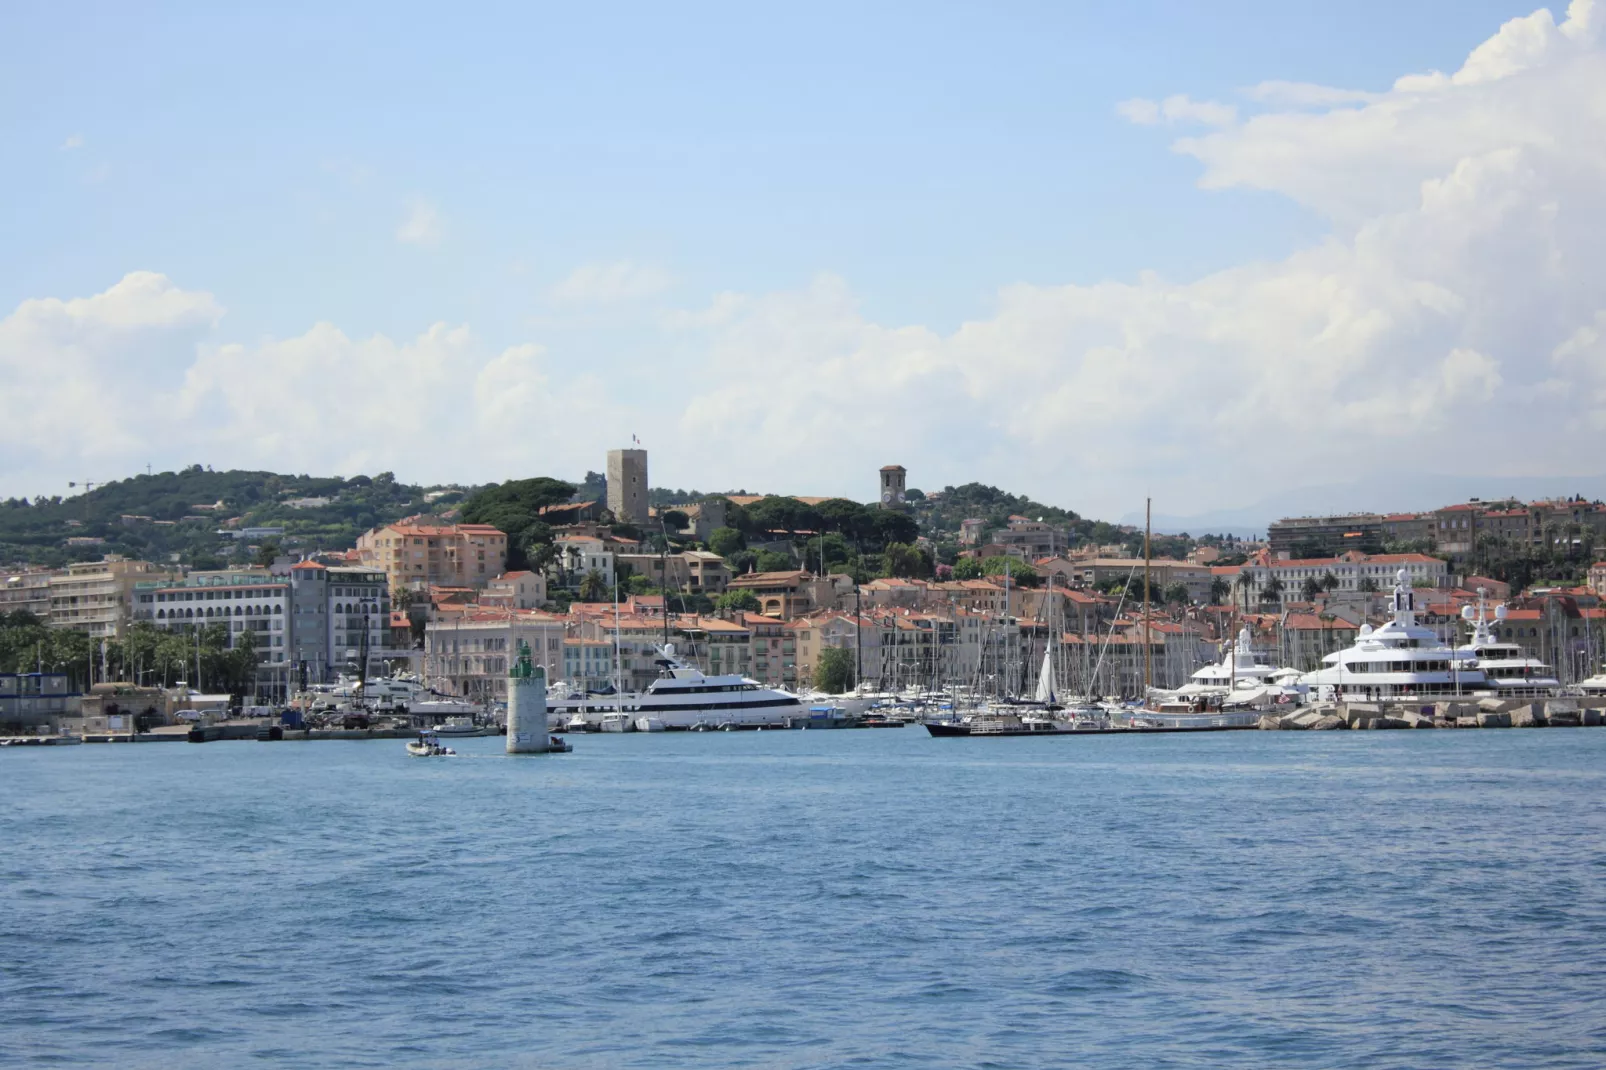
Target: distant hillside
(940, 514)
(180, 513)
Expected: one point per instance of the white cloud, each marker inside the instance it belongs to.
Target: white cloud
(1177, 109)
(1306, 94)
(421, 225)
(98, 386)
(81, 376)
(1453, 321)
(75, 141)
(1534, 86)
(621, 280)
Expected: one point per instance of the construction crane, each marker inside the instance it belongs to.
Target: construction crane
(87, 486)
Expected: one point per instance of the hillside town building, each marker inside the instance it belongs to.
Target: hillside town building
(416, 552)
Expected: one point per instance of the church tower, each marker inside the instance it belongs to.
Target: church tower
(893, 479)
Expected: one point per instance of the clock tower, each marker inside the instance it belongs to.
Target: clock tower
(893, 479)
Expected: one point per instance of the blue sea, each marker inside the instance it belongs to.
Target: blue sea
(810, 899)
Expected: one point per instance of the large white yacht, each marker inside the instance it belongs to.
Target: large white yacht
(1510, 670)
(1397, 660)
(1240, 669)
(683, 697)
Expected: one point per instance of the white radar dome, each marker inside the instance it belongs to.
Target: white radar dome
(1499, 612)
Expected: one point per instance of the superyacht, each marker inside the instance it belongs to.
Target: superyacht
(1510, 669)
(684, 697)
(1398, 660)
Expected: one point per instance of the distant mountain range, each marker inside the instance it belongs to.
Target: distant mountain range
(1407, 493)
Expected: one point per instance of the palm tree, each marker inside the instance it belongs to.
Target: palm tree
(1367, 585)
(1273, 591)
(1219, 589)
(1329, 582)
(593, 587)
(1311, 588)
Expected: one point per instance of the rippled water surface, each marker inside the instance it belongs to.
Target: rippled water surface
(811, 899)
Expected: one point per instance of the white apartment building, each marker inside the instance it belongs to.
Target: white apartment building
(581, 554)
(253, 605)
(1351, 570)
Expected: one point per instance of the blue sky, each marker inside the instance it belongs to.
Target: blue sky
(385, 169)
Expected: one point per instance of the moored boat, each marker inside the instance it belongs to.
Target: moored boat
(1399, 659)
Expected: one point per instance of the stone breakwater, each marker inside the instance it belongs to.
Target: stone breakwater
(1483, 713)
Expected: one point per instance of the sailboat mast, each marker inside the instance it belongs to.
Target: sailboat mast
(1148, 669)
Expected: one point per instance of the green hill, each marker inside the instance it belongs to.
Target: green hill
(180, 513)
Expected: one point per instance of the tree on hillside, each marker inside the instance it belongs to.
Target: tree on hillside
(515, 508)
(780, 513)
(516, 504)
(834, 672)
(1019, 572)
(891, 525)
(773, 561)
(738, 601)
(726, 541)
(852, 520)
(907, 562)
(1177, 594)
(967, 568)
(593, 586)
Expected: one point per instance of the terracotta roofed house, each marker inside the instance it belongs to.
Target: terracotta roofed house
(418, 551)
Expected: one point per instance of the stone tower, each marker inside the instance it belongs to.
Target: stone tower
(893, 479)
(627, 486)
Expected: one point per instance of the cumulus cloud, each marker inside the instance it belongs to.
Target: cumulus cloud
(1455, 308)
(97, 386)
(621, 280)
(421, 225)
(71, 368)
(1452, 320)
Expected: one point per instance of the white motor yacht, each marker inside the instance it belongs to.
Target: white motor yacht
(1398, 660)
(1509, 668)
(1240, 669)
(685, 697)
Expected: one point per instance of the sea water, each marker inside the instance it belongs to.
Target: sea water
(810, 899)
